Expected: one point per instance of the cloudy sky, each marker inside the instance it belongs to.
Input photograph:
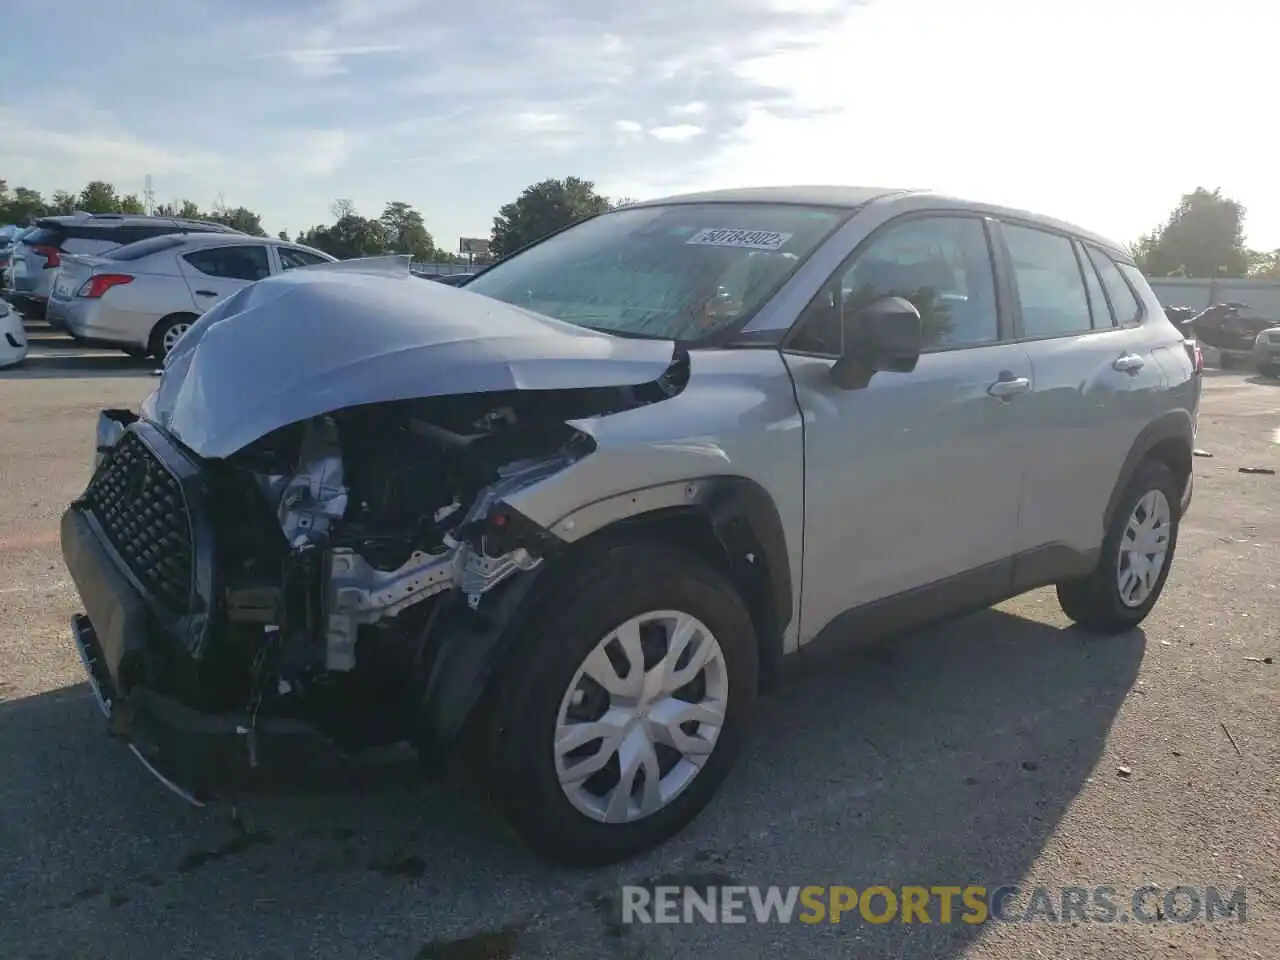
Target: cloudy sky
(1098, 111)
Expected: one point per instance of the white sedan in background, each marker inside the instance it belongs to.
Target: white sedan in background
(143, 297)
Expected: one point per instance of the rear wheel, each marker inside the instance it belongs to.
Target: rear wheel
(622, 711)
(1269, 370)
(167, 333)
(1137, 554)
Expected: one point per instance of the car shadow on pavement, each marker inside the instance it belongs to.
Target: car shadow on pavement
(945, 757)
(1263, 381)
(72, 366)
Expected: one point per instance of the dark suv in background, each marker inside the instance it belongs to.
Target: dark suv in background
(36, 256)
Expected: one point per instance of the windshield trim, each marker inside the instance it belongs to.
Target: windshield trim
(727, 335)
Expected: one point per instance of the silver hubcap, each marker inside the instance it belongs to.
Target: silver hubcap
(641, 716)
(172, 335)
(1143, 548)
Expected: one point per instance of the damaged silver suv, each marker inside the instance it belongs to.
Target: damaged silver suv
(568, 519)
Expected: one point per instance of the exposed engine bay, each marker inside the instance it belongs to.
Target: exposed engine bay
(341, 539)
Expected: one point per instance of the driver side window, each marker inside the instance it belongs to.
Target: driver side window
(941, 264)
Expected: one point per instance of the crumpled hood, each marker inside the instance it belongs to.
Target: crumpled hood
(314, 340)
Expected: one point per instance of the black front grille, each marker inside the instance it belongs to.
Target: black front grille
(141, 509)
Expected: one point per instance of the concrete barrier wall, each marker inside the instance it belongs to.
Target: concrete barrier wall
(1261, 296)
(441, 269)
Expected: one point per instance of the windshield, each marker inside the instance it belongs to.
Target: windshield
(680, 272)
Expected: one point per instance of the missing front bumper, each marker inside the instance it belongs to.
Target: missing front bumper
(196, 755)
(120, 719)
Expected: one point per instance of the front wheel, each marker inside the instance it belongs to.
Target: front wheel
(1137, 554)
(622, 710)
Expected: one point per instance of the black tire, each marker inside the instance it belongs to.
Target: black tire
(1269, 371)
(624, 581)
(156, 347)
(1094, 602)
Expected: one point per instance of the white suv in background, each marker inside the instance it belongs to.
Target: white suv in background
(144, 296)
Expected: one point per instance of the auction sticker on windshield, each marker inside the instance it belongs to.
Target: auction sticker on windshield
(750, 239)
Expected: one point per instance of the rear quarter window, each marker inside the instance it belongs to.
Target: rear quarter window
(1139, 284)
(291, 258)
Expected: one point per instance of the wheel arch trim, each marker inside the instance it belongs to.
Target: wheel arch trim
(742, 515)
(1174, 426)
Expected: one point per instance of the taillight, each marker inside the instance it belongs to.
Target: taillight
(1195, 354)
(50, 254)
(97, 286)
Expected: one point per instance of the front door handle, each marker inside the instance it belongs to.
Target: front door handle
(1129, 363)
(1009, 386)
(206, 293)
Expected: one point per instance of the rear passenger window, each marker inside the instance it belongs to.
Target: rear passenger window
(1050, 284)
(233, 263)
(1124, 304)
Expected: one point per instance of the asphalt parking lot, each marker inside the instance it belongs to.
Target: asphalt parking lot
(1003, 748)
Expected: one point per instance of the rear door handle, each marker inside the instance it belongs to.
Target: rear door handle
(206, 293)
(1009, 386)
(1129, 363)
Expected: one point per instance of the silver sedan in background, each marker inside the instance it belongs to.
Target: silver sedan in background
(143, 296)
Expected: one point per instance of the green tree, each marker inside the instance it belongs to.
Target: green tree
(406, 232)
(23, 205)
(131, 204)
(238, 218)
(98, 196)
(542, 209)
(1203, 237)
(283, 235)
(351, 236)
(62, 203)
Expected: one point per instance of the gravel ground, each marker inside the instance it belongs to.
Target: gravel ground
(986, 751)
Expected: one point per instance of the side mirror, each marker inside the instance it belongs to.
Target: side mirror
(885, 335)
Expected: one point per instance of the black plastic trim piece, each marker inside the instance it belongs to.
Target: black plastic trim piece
(1174, 425)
